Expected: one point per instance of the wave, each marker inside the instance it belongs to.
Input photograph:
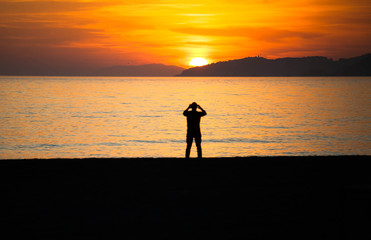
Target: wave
(245, 140)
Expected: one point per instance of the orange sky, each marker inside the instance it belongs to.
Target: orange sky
(103, 33)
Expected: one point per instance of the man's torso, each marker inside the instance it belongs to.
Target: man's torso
(193, 121)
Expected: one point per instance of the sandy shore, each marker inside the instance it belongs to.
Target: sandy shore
(229, 198)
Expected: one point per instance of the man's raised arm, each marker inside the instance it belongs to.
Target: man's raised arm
(186, 111)
(202, 111)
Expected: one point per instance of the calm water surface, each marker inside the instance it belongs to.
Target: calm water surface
(47, 117)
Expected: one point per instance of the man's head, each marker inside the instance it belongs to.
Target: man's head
(194, 106)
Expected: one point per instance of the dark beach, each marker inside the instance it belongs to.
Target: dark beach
(318, 197)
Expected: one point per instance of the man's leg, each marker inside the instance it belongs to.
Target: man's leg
(198, 144)
(189, 145)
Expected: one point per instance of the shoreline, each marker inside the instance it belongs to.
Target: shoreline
(358, 156)
(310, 197)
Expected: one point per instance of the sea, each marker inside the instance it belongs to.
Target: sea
(125, 117)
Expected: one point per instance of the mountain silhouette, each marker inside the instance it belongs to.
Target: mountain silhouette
(306, 66)
(124, 70)
(140, 70)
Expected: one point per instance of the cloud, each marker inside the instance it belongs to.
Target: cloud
(199, 43)
(266, 34)
(31, 34)
(21, 7)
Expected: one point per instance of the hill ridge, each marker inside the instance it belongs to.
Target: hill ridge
(288, 66)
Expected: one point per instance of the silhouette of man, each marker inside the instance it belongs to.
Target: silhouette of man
(193, 127)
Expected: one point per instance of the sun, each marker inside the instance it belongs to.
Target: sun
(197, 62)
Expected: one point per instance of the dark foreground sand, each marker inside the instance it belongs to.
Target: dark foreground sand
(228, 198)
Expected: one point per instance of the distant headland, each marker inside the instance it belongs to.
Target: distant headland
(145, 70)
(306, 66)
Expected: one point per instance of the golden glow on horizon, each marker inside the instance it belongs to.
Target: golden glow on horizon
(197, 62)
(114, 32)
